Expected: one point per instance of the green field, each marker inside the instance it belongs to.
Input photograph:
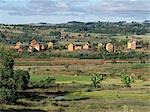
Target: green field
(74, 92)
(112, 97)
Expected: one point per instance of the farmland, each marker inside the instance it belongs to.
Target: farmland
(74, 93)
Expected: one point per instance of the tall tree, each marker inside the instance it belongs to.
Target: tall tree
(10, 81)
(7, 83)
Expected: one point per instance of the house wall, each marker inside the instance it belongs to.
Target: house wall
(30, 49)
(132, 45)
(42, 47)
(18, 45)
(70, 47)
(86, 47)
(33, 43)
(20, 50)
(109, 47)
(129, 45)
(77, 47)
(50, 45)
(37, 47)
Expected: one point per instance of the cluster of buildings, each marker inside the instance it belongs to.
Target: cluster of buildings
(109, 47)
(33, 46)
(73, 46)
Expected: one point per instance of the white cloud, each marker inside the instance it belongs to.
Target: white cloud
(135, 9)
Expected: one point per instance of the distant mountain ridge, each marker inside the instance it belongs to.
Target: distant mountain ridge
(41, 24)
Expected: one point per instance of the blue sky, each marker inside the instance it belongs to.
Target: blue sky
(60, 11)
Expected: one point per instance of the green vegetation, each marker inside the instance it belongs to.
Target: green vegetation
(86, 55)
(97, 80)
(22, 79)
(55, 34)
(7, 95)
(7, 83)
(46, 83)
(109, 27)
(10, 81)
(127, 80)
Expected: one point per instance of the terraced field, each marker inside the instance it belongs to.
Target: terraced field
(73, 91)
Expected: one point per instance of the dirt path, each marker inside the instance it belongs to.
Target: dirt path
(70, 61)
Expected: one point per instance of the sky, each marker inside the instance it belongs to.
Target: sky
(62, 11)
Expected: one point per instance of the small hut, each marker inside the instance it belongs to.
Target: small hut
(132, 43)
(109, 47)
(18, 45)
(34, 45)
(50, 45)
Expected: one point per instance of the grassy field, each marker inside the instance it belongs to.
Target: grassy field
(110, 99)
(74, 92)
(81, 68)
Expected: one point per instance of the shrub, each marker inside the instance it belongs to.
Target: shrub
(7, 95)
(97, 80)
(22, 79)
(48, 82)
(127, 80)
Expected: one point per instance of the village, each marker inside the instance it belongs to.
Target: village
(34, 46)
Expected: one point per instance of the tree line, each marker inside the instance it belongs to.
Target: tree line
(110, 27)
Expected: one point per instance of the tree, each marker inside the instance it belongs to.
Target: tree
(6, 72)
(97, 80)
(55, 33)
(7, 83)
(7, 95)
(10, 81)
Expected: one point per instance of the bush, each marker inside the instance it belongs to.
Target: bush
(7, 95)
(49, 82)
(22, 79)
(97, 80)
(127, 80)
